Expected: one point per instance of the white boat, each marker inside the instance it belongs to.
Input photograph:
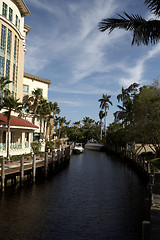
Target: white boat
(93, 145)
(78, 148)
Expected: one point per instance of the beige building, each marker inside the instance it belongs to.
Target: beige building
(12, 44)
(13, 32)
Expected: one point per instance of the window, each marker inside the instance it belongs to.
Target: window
(1, 66)
(25, 88)
(4, 10)
(36, 136)
(27, 136)
(3, 37)
(13, 79)
(9, 42)
(16, 23)
(10, 14)
(7, 68)
(15, 47)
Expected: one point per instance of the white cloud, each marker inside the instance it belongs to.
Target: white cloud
(76, 40)
(136, 72)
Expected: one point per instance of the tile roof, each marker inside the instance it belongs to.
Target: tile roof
(16, 121)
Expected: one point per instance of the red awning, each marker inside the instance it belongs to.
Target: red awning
(16, 121)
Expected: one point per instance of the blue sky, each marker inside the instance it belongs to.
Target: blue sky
(65, 46)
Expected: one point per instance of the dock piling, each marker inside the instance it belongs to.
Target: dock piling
(46, 164)
(34, 167)
(146, 230)
(22, 169)
(3, 174)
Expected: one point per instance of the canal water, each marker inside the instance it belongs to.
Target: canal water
(97, 197)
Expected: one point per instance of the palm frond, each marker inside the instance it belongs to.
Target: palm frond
(154, 6)
(143, 31)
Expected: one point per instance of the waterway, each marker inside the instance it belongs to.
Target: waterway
(97, 197)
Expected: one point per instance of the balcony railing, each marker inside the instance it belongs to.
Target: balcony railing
(26, 144)
(2, 146)
(14, 146)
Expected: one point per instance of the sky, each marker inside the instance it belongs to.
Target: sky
(65, 46)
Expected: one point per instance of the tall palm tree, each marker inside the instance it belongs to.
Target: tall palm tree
(34, 101)
(104, 104)
(3, 84)
(10, 104)
(54, 110)
(101, 116)
(126, 110)
(62, 120)
(144, 32)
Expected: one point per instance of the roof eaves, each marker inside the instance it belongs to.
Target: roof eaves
(37, 78)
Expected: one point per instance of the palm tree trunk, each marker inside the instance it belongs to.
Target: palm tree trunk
(105, 123)
(8, 132)
(40, 127)
(101, 130)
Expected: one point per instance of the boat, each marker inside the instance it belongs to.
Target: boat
(78, 148)
(93, 145)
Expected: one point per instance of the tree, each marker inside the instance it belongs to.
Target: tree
(62, 120)
(34, 101)
(147, 115)
(3, 91)
(144, 32)
(101, 116)
(125, 114)
(104, 104)
(10, 104)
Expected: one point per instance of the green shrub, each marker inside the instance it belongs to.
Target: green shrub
(50, 146)
(156, 162)
(36, 147)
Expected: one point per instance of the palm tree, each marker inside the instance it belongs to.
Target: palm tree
(104, 104)
(10, 104)
(54, 110)
(62, 120)
(144, 32)
(101, 116)
(126, 110)
(34, 101)
(3, 83)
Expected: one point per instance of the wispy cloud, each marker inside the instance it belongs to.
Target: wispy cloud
(74, 41)
(136, 72)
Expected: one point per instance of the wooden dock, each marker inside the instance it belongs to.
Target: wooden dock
(28, 168)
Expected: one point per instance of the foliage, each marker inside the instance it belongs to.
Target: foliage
(104, 104)
(137, 120)
(144, 31)
(156, 162)
(35, 146)
(50, 146)
(82, 131)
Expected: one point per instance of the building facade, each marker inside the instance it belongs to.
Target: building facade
(13, 32)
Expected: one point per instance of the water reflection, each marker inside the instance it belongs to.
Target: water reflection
(96, 198)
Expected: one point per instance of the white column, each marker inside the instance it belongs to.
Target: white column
(23, 140)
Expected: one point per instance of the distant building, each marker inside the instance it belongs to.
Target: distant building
(13, 32)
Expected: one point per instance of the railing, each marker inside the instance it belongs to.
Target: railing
(2, 146)
(26, 144)
(14, 146)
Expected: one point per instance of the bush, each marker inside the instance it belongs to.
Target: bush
(36, 146)
(50, 146)
(156, 162)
